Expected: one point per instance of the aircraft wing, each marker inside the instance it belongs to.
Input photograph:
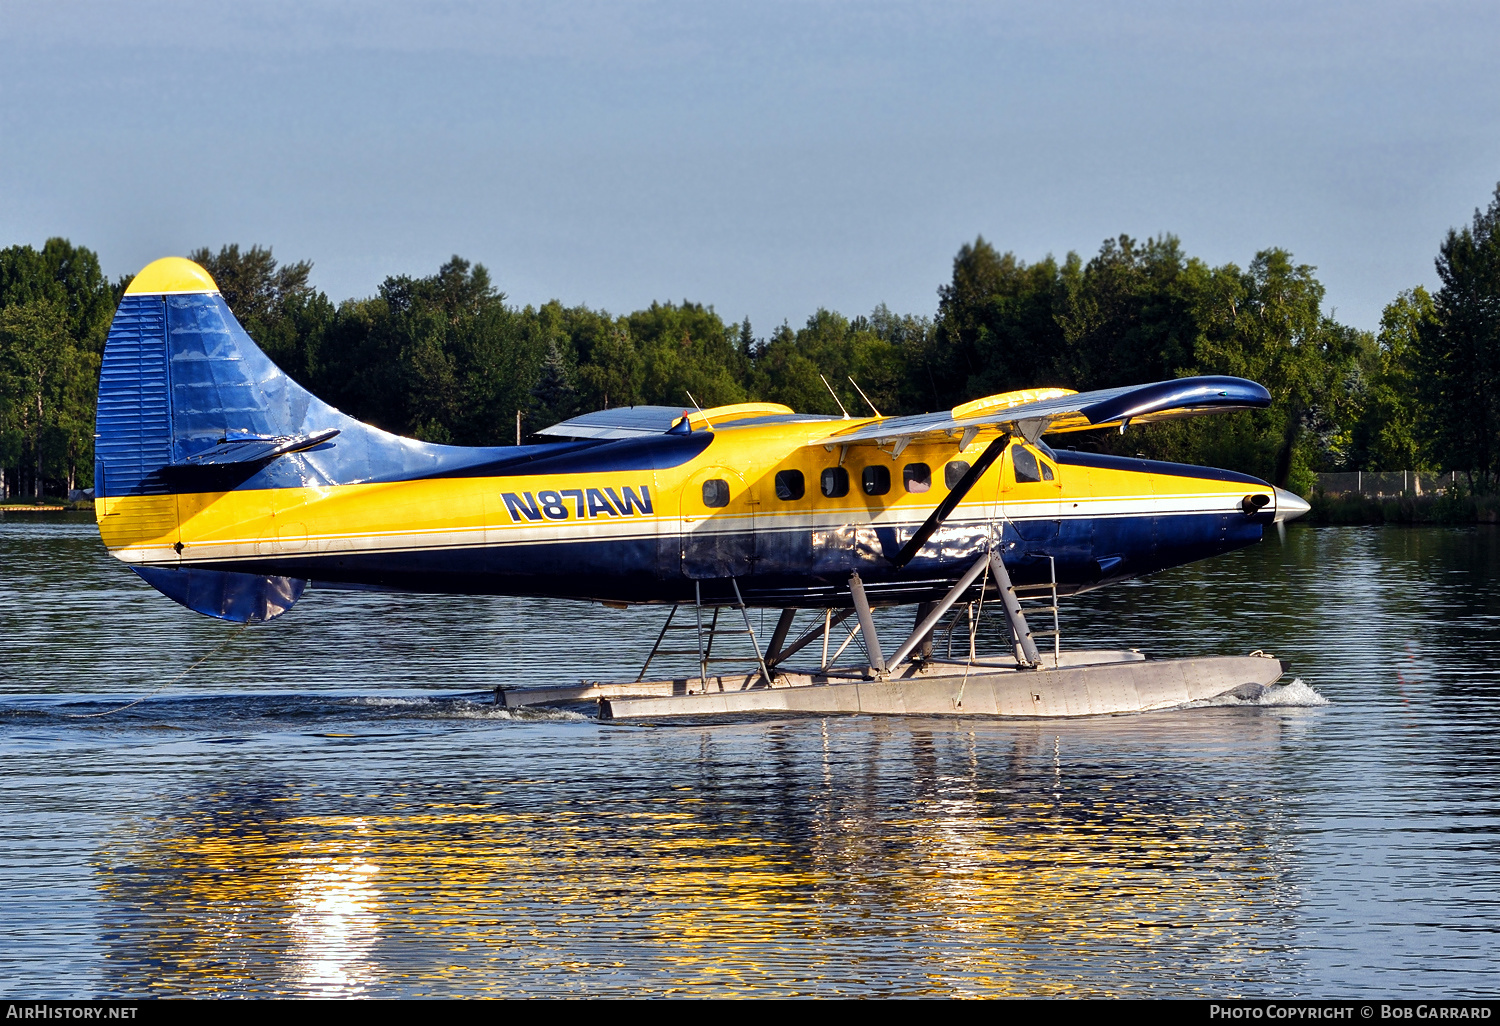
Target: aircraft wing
(1061, 412)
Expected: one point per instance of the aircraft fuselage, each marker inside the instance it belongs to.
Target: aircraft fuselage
(653, 519)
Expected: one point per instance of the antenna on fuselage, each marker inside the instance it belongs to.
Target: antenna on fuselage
(835, 397)
(699, 407)
(864, 397)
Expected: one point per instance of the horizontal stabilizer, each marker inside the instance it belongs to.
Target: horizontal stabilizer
(621, 422)
(241, 598)
(255, 448)
(635, 421)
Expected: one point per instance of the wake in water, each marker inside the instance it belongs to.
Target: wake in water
(1295, 694)
(461, 709)
(214, 712)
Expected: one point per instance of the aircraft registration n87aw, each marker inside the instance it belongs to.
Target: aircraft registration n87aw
(230, 488)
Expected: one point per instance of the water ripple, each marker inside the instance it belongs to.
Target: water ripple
(335, 807)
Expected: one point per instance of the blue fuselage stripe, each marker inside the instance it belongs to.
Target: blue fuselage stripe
(784, 567)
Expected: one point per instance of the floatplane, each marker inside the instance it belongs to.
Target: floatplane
(229, 488)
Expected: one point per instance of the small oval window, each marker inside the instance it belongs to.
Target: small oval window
(790, 485)
(954, 472)
(1027, 470)
(876, 480)
(716, 493)
(835, 482)
(917, 477)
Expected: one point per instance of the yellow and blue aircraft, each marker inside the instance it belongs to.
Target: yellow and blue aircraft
(229, 488)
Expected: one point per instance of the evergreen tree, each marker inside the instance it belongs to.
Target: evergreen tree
(1459, 357)
(555, 397)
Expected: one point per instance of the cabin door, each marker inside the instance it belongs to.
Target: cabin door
(718, 525)
(1030, 499)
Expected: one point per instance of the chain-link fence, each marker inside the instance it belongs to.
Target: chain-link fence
(1380, 484)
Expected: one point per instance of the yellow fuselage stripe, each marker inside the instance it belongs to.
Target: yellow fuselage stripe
(463, 512)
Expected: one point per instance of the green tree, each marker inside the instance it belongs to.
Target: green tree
(1387, 433)
(555, 398)
(48, 384)
(440, 358)
(791, 367)
(1267, 324)
(55, 310)
(1127, 316)
(64, 274)
(687, 349)
(1459, 353)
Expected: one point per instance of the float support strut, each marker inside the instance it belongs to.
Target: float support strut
(940, 609)
(778, 636)
(866, 623)
(820, 630)
(1013, 615)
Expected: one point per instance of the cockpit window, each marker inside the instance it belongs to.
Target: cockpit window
(1025, 464)
(1046, 470)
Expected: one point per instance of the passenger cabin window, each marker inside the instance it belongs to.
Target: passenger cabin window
(835, 482)
(1025, 463)
(790, 485)
(716, 493)
(917, 477)
(954, 472)
(876, 480)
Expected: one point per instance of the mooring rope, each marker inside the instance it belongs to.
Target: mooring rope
(974, 629)
(215, 651)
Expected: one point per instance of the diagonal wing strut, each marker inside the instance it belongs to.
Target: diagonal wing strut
(935, 520)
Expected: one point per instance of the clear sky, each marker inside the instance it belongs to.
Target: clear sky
(766, 158)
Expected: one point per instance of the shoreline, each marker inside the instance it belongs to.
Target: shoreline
(1339, 510)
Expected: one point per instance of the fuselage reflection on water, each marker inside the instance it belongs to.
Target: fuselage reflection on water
(815, 856)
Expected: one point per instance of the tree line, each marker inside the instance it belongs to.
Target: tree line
(446, 358)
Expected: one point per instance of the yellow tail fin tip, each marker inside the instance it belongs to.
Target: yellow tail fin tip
(171, 275)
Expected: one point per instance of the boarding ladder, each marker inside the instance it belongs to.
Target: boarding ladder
(1043, 599)
(1034, 598)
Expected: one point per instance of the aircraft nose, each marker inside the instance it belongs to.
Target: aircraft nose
(1289, 506)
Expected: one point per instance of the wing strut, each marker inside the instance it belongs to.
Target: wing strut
(945, 508)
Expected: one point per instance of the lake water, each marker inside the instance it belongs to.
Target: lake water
(331, 805)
